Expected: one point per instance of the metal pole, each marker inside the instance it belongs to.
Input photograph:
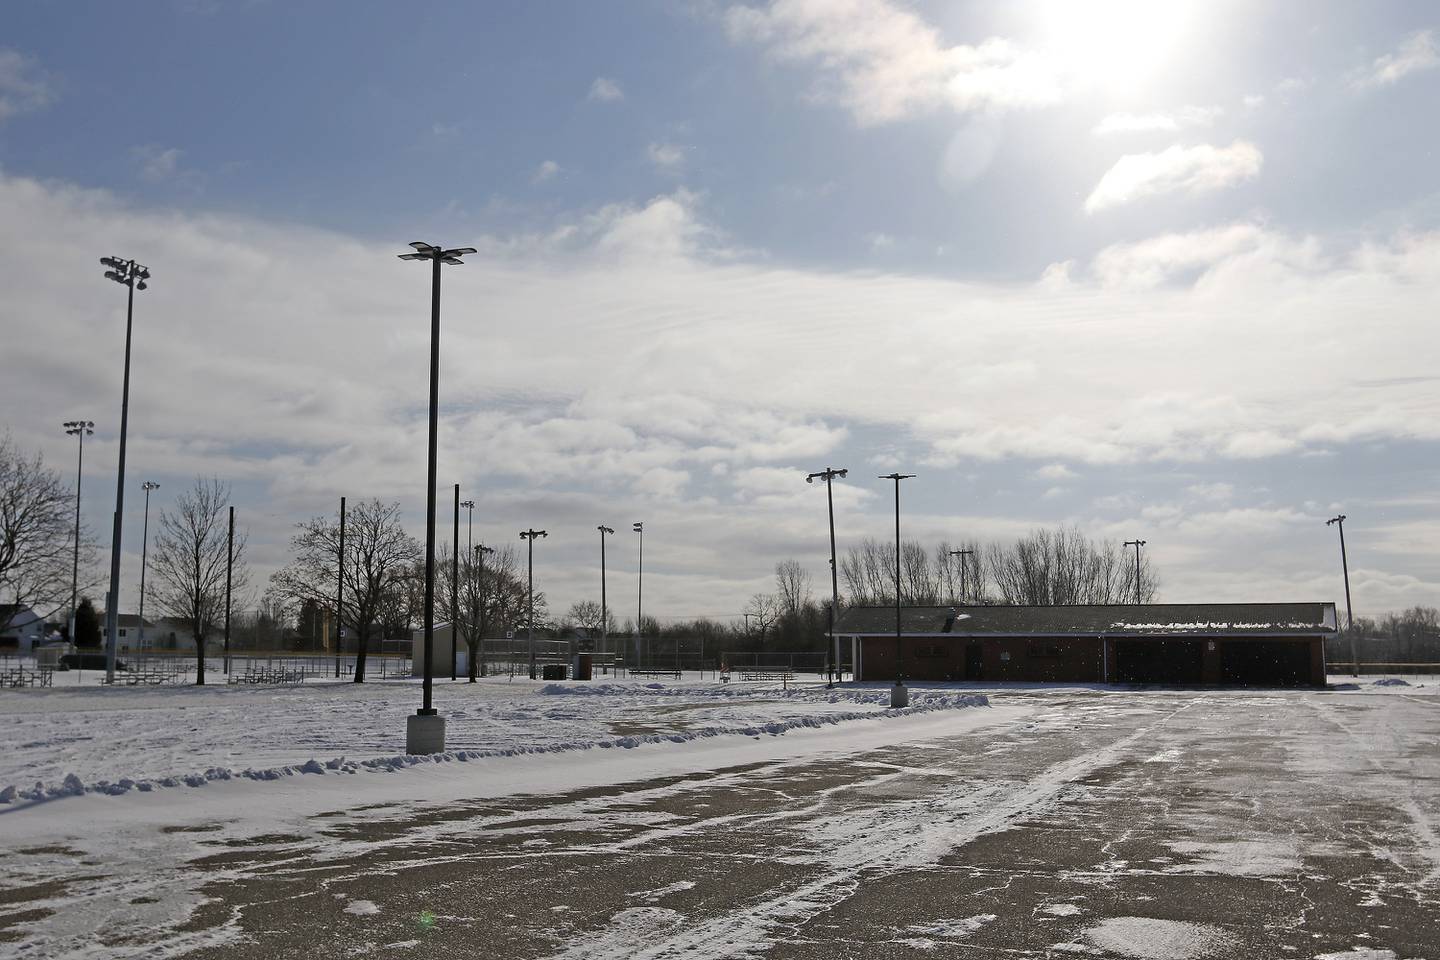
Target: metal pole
(428, 709)
(75, 571)
(640, 592)
(340, 597)
(1349, 612)
(834, 574)
(899, 642)
(530, 601)
(480, 613)
(112, 615)
(144, 549)
(455, 586)
(229, 566)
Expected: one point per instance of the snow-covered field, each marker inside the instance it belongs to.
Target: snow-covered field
(73, 738)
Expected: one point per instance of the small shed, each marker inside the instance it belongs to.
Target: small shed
(1242, 644)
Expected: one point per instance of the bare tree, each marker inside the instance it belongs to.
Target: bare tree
(378, 556)
(763, 610)
(588, 614)
(1062, 566)
(792, 587)
(36, 536)
(486, 599)
(188, 561)
(868, 572)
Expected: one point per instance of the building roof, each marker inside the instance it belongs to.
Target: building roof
(1096, 620)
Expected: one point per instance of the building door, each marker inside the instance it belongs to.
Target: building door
(1265, 663)
(1159, 661)
(974, 661)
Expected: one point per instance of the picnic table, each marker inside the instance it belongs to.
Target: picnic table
(26, 677)
(655, 672)
(764, 673)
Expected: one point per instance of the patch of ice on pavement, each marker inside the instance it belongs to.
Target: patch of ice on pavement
(1147, 938)
(361, 908)
(1166, 756)
(1391, 682)
(1238, 858)
(1061, 909)
(1358, 953)
(678, 887)
(950, 929)
(627, 932)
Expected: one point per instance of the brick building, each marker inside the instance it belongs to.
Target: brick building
(1244, 644)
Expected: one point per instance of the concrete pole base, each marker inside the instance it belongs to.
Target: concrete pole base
(424, 734)
(899, 696)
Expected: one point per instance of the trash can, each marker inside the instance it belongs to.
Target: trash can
(553, 671)
(583, 666)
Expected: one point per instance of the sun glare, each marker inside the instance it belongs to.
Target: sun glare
(1114, 45)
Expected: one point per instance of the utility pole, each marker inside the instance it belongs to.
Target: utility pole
(229, 566)
(829, 474)
(147, 486)
(80, 429)
(1349, 612)
(455, 587)
(899, 695)
(639, 527)
(962, 554)
(1137, 544)
(529, 537)
(134, 277)
(479, 613)
(604, 610)
(340, 600)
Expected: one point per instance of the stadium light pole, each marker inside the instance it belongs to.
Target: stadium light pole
(147, 486)
(1137, 544)
(829, 474)
(604, 610)
(229, 567)
(639, 527)
(529, 537)
(899, 695)
(81, 429)
(340, 599)
(469, 506)
(133, 276)
(455, 586)
(1339, 522)
(479, 551)
(425, 731)
(962, 554)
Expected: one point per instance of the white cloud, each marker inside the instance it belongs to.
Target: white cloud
(302, 379)
(444, 131)
(545, 171)
(23, 88)
(1055, 471)
(1416, 52)
(884, 63)
(1198, 169)
(666, 156)
(157, 163)
(1150, 122)
(880, 242)
(605, 90)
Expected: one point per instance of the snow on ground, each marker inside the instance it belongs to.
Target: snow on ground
(72, 739)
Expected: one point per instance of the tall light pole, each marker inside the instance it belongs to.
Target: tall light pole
(81, 429)
(1349, 613)
(829, 474)
(1137, 544)
(455, 586)
(529, 537)
(962, 554)
(899, 695)
(604, 610)
(134, 277)
(147, 486)
(340, 603)
(478, 615)
(639, 527)
(425, 732)
(229, 566)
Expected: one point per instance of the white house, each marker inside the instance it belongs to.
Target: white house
(23, 629)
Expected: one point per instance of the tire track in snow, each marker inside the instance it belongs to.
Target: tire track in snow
(887, 838)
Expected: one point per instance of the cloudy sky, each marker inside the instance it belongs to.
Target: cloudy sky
(1158, 270)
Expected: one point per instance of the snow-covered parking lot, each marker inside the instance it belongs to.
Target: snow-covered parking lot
(736, 822)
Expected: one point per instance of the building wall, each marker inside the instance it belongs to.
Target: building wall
(1257, 661)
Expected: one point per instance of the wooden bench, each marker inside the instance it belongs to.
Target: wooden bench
(267, 676)
(655, 672)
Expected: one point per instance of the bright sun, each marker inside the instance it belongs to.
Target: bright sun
(1114, 45)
